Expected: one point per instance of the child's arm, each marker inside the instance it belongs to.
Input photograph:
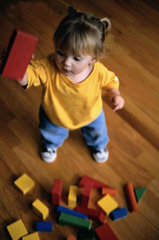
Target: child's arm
(116, 99)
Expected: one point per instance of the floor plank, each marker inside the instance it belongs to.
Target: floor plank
(132, 52)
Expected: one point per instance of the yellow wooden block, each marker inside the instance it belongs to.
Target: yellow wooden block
(108, 204)
(17, 229)
(24, 183)
(32, 236)
(72, 196)
(40, 209)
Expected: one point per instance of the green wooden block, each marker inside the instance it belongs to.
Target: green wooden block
(139, 192)
(67, 219)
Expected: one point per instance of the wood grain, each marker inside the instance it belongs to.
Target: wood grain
(133, 53)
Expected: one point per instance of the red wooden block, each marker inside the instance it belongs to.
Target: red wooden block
(93, 214)
(105, 232)
(86, 194)
(131, 197)
(110, 191)
(96, 184)
(19, 53)
(56, 192)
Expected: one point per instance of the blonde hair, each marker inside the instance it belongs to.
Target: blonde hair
(82, 34)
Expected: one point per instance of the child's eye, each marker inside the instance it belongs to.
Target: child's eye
(60, 53)
(77, 58)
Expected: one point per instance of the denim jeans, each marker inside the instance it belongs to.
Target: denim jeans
(53, 136)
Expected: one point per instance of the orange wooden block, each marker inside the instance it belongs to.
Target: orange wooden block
(110, 191)
(131, 197)
(71, 237)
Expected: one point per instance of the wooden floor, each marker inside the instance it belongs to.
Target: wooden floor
(133, 53)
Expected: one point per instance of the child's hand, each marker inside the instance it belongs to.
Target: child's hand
(117, 103)
(3, 54)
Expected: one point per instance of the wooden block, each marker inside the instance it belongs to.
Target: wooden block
(72, 196)
(118, 213)
(86, 194)
(129, 189)
(92, 214)
(71, 212)
(17, 229)
(67, 219)
(44, 226)
(19, 53)
(71, 237)
(108, 204)
(105, 232)
(56, 192)
(110, 191)
(139, 192)
(86, 235)
(32, 236)
(96, 184)
(24, 183)
(41, 210)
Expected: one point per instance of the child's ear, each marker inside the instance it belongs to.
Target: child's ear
(94, 60)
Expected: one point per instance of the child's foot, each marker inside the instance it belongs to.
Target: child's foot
(48, 154)
(101, 156)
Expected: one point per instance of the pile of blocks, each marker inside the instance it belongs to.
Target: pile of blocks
(78, 216)
(17, 229)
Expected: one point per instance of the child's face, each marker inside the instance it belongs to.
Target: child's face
(71, 65)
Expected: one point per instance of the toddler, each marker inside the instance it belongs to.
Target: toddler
(72, 79)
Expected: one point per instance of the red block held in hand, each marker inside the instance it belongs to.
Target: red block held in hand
(18, 55)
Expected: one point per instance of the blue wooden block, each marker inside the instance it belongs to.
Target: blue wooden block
(118, 213)
(44, 226)
(71, 212)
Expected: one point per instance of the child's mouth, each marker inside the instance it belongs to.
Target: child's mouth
(66, 71)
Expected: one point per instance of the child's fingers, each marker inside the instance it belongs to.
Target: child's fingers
(115, 108)
(3, 54)
(118, 103)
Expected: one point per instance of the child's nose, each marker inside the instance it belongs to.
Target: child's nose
(67, 61)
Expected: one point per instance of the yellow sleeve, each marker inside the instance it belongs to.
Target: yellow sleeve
(110, 80)
(36, 74)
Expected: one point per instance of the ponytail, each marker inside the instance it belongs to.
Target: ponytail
(107, 25)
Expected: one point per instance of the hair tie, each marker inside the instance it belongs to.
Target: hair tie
(71, 11)
(107, 23)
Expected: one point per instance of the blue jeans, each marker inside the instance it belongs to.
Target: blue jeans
(53, 136)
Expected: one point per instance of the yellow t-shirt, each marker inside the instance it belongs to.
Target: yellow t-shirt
(68, 104)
